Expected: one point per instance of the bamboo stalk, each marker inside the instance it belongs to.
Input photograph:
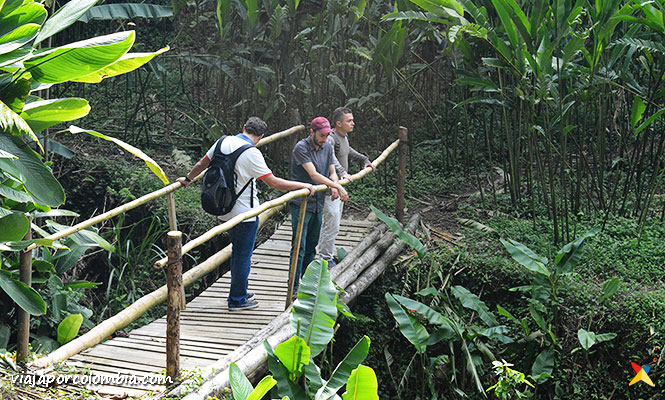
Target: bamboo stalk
(174, 287)
(134, 311)
(23, 317)
(294, 254)
(150, 196)
(219, 229)
(170, 203)
(401, 173)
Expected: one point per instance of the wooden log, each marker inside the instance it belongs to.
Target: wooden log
(350, 258)
(23, 317)
(174, 287)
(362, 262)
(170, 205)
(401, 173)
(296, 250)
(128, 315)
(376, 269)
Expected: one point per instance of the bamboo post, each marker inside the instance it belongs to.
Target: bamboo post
(296, 250)
(25, 276)
(174, 287)
(170, 202)
(401, 173)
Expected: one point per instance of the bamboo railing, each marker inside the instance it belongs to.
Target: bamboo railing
(102, 331)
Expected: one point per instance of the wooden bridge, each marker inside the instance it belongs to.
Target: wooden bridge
(208, 331)
(208, 337)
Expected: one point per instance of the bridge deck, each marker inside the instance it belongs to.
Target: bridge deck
(208, 331)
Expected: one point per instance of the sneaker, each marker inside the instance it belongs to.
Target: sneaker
(250, 296)
(248, 305)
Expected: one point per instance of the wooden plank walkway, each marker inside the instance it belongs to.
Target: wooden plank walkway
(208, 331)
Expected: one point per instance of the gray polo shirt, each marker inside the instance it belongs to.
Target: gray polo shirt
(322, 158)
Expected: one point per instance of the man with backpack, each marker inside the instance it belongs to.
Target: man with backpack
(249, 167)
(312, 161)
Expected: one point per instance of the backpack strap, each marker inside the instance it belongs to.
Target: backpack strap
(218, 149)
(233, 157)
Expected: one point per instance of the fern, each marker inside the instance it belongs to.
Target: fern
(641, 44)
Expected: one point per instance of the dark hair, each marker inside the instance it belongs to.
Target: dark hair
(255, 126)
(339, 113)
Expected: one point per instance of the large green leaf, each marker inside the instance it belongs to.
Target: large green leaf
(637, 111)
(12, 124)
(15, 95)
(85, 237)
(344, 369)
(403, 235)
(568, 257)
(410, 327)
(79, 59)
(649, 121)
(69, 328)
(65, 16)
(315, 307)
(13, 227)
(23, 295)
(18, 37)
(294, 354)
(262, 388)
(46, 113)
(14, 57)
(240, 385)
(126, 11)
(285, 387)
(441, 8)
(126, 63)
(152, 164)
(30, 13)
(362, 385)
(526, 257)
(24, 244)
(610, 287)
(544, 363)
(432, 316)
(473, 302)
(31, 171)
(252, 12)
(13, 194)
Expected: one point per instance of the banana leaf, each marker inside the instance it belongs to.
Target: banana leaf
(44, 114)
(362, 385)
(344, 369)
(315, 307)
(126, 11)
(31, 171)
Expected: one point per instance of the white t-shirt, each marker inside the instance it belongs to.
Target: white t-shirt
(249, 165)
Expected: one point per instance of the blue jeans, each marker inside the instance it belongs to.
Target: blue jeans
(243, 237)
(310, 238)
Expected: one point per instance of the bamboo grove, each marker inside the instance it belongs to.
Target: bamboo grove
(562, 98)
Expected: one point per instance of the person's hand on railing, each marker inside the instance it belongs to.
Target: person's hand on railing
(184, 181)
(348, 177)
(310, 187)
(371, 165)
(340, 192)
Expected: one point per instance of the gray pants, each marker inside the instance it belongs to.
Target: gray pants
(332, 215)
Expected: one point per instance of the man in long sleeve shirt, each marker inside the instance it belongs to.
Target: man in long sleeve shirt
(333, 207)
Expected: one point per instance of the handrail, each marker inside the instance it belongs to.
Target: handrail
(148, 197)
(135, 310)
(269, 204)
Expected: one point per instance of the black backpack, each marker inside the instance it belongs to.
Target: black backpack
(218, 195)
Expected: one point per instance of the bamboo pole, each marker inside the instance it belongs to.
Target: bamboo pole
(135, 310)
(296, 250)
(170, 203)
(23, 317)
(219, 229)
(174, 287)
(401, 173)
(150, 196)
